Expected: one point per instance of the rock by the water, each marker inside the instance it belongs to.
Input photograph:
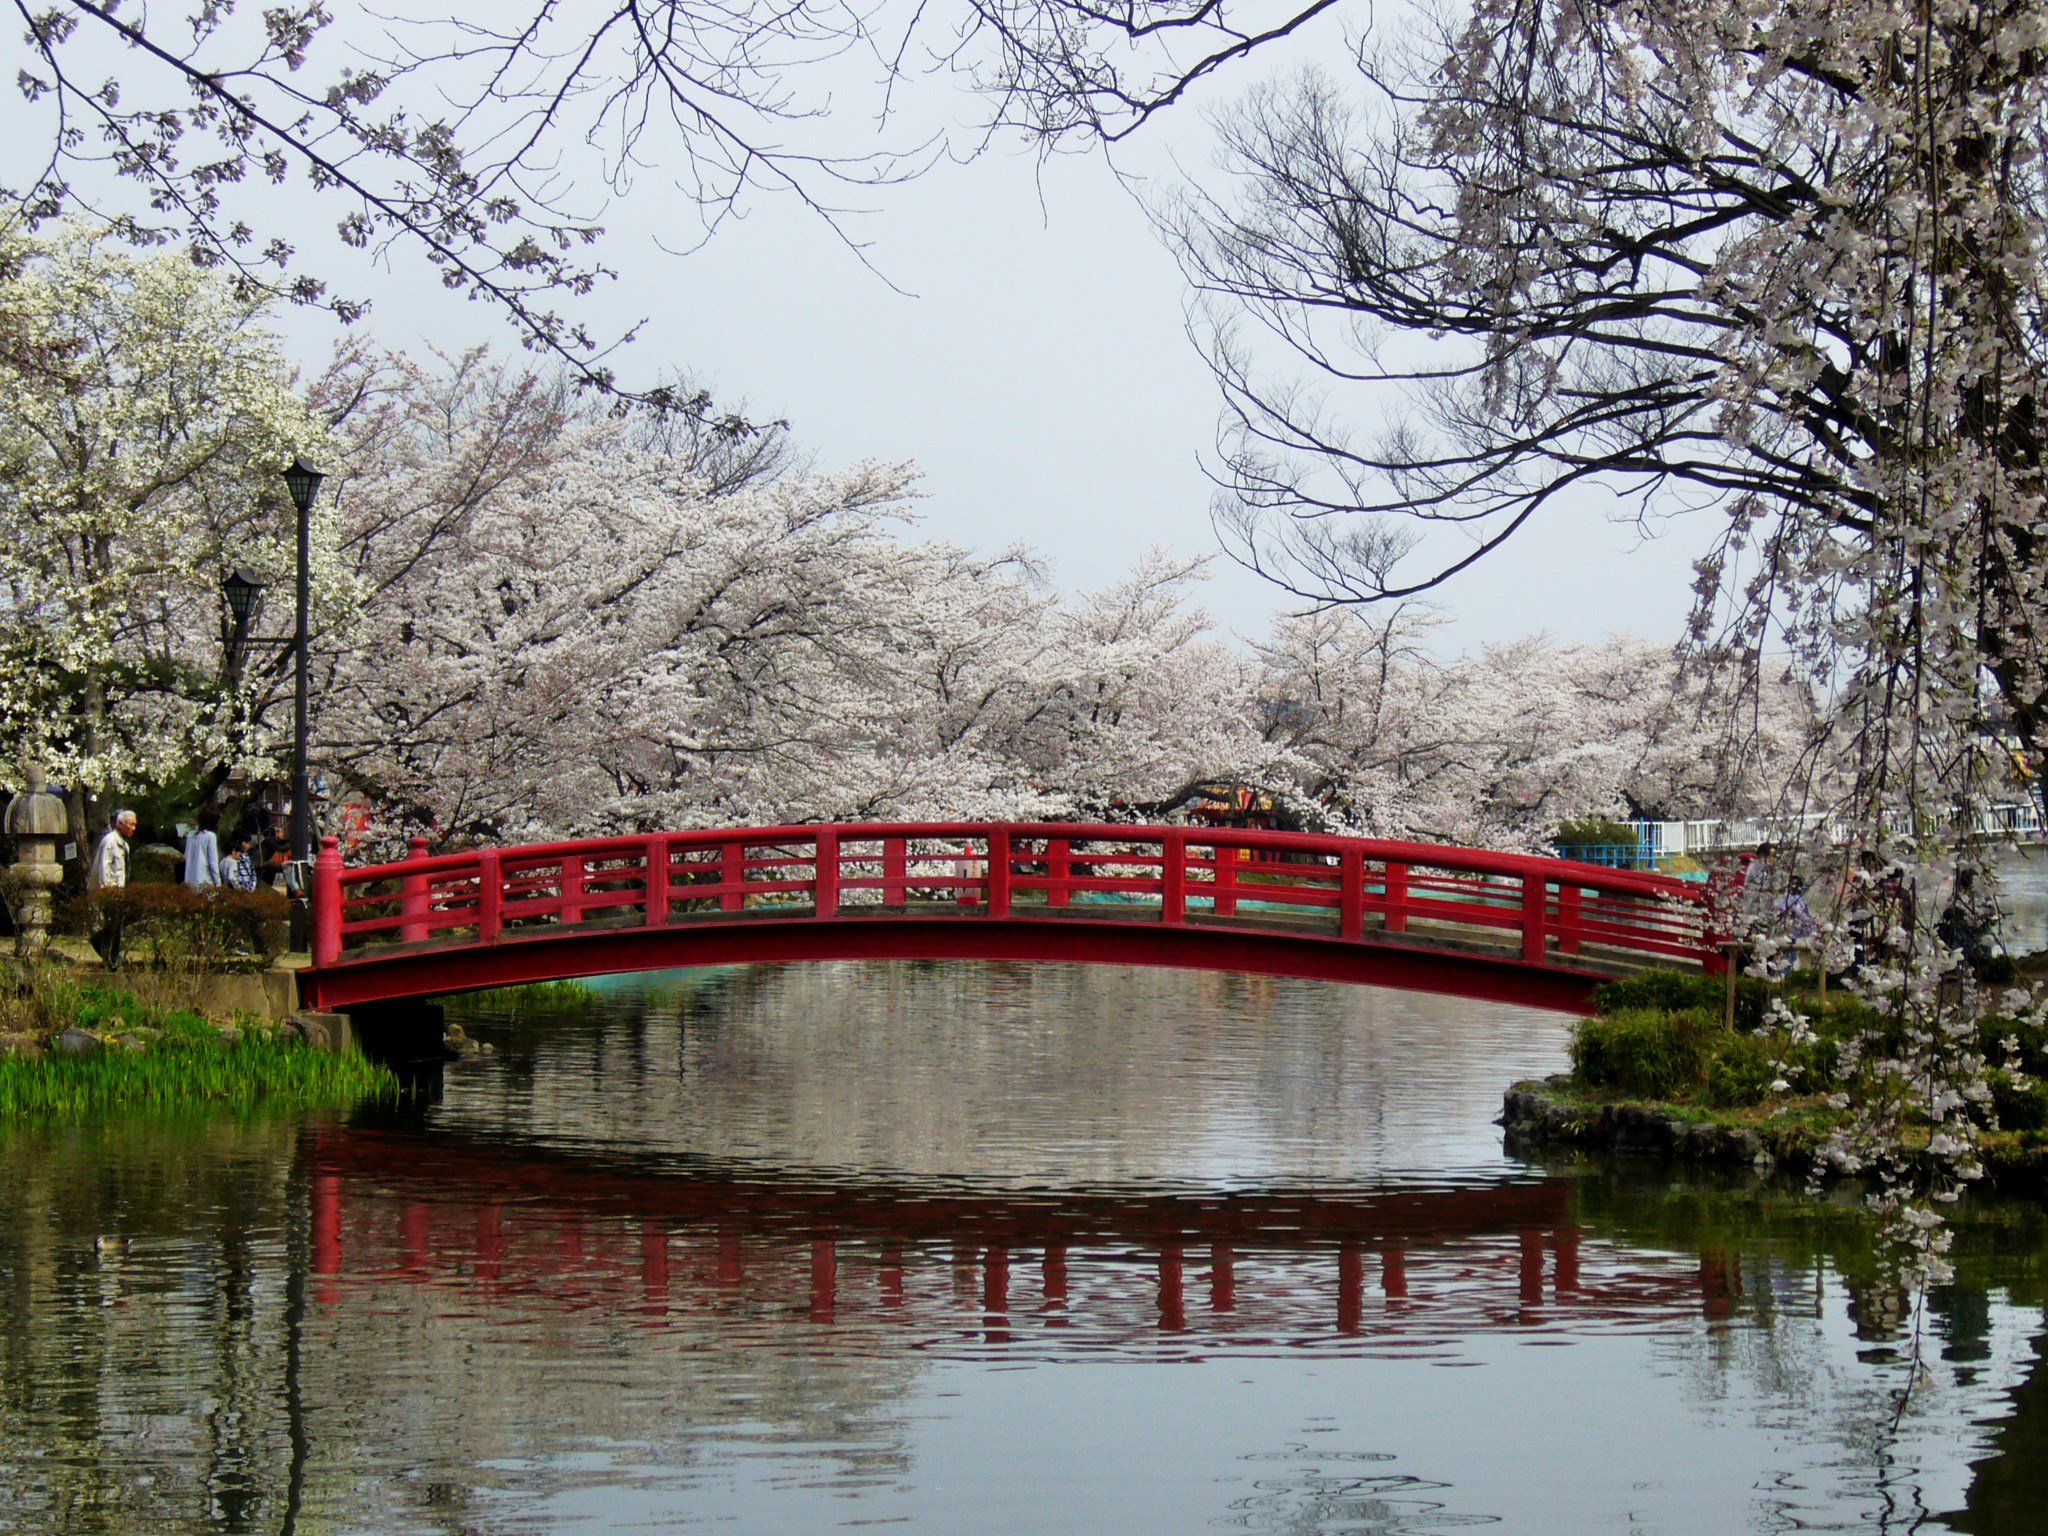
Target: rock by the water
(74, 1042)
(322, 1031)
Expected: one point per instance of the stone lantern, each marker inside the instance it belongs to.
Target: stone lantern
(37, 821)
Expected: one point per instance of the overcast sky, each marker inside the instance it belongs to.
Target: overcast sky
(1036, 363)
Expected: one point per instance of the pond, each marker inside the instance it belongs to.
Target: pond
(979, 1248)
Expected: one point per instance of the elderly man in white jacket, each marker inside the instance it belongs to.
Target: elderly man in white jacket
(109, 870)
(110, 859)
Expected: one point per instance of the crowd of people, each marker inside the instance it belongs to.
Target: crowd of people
(251, 855)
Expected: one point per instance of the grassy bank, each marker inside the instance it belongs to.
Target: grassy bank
(1658, 1070)
(75, 1048)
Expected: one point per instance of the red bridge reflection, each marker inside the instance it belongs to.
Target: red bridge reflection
(833, 1258)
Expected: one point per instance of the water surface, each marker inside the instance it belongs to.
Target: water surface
(979, 1249)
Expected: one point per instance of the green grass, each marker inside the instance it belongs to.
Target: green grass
(537, 996)
(187, 1066)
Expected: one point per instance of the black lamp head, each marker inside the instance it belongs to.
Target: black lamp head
(303, 480)
(242, 588)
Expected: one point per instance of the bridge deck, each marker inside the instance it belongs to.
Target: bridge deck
(1490, 924)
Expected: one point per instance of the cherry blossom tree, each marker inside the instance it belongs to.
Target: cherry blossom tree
(1496, 747)
(148, 414)
(569, 623)
(571, 620)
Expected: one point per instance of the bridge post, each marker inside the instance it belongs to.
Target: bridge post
(1534, 915)
(488, 911)
(895, 872)
(415, 895)
(1173, 877)
(1225, 882)
(732, 876)
(1059, 869)
(325, 940)
(825, 873)
(654, 878)
(572, 888)
(1397, 897)
(1351, 894)
(1569, 919)
(998, 871)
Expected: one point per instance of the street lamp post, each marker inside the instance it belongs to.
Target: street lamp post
(243, 590)
(303, 480)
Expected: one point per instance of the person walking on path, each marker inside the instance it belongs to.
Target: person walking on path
(109, 872)
(109, 867)
(202, 852)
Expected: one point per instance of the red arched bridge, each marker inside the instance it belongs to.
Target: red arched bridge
(1503, 926)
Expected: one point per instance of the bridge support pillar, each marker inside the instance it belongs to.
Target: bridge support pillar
(406, 1033)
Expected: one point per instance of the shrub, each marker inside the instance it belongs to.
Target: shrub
(1644, 1052)
(1995, 1029)
(1997, 971)
(1741, 1072)
(154, 866)
(1576, 838)
(181, 928)
(1673, 990)
(2019, 1109)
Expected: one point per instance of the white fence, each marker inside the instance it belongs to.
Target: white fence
(2019, 819)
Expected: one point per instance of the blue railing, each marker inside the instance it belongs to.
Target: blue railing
(1610, 855)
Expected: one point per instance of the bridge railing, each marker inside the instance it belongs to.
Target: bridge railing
(1537, 909)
